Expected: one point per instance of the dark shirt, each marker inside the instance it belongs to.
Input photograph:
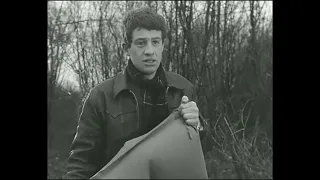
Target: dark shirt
(152, 98)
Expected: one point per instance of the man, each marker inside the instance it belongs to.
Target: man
(132, 103)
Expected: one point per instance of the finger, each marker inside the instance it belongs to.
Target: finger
(183, 104)
(192, 122)
(184, 99)
(189, 110)
(189, 104)
(189, 116)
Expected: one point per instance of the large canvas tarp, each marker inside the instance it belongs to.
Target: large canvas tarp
(166, 152)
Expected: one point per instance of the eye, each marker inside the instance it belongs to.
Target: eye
(140, 43)
(156, 42)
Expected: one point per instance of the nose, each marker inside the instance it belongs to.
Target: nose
(149, 49)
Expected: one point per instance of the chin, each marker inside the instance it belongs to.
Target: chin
(149, 71)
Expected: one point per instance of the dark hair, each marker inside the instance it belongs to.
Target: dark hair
(142, 18)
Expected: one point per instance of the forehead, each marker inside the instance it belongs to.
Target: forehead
(144, 33)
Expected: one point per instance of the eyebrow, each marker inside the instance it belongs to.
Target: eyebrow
(155, 38)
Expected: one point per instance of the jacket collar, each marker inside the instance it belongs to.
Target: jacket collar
(174, 80)
(121, 81)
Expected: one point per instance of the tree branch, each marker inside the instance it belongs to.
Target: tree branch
(75, 22)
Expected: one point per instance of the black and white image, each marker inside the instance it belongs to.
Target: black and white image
(160, 89)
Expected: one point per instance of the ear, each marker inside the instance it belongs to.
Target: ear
(164, 42)
(125, 47)
(163, 45)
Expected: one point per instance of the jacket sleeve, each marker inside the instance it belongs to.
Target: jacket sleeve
(83, 161)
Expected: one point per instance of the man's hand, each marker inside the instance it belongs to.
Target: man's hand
(190, 112)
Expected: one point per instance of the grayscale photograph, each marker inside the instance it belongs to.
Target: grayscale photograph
(160, 89)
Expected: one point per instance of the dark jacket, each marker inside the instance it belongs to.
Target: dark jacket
(110, 117)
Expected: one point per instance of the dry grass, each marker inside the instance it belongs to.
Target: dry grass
(239, 153)
(240, 160)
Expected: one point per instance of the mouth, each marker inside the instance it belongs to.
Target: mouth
(149, 61)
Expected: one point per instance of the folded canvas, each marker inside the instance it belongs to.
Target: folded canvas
(166, 152)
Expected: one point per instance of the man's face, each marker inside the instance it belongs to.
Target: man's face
(146, 50)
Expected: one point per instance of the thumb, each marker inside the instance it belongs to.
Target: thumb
(184, 99)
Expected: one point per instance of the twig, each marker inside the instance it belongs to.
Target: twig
(242, 122)
(245, 105)
(232, 134)
(256, 168)
(216, 141)
(235, 152)
(239, 168)
(269, 144)
(74, 22)
(238, 131)
(231, 104)
(245, 143)
(223, 153)
(237, 125)
(215, 126)
(224, 135)
(242, 117)
(247, 118)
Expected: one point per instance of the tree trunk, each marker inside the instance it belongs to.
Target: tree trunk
(219, 46)
(177, 43)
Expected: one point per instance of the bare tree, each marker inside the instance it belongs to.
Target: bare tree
(57, 40)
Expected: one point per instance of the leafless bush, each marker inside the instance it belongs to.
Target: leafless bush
(243, 155)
